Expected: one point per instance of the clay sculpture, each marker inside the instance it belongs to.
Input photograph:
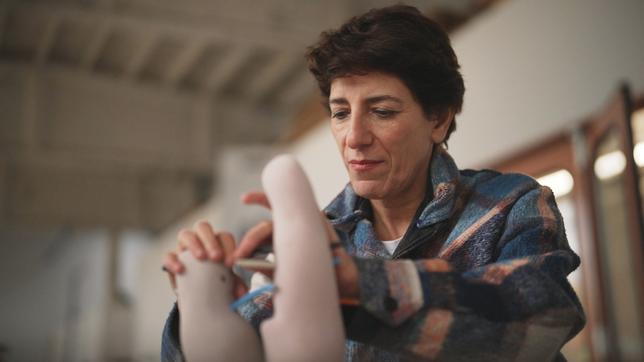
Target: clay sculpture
(306, 324)
(209, 330)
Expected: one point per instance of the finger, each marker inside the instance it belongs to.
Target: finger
(209, 240)
(259, 234)
(191, 241)
(182, 244)
(255, 198)
(173, 281)
(172, 263)
(347, 275)
(228, 244)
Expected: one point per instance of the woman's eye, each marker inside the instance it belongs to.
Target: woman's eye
(384, 113)
(339, 114)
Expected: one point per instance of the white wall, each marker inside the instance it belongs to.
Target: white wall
(319, 156)
(534, 67)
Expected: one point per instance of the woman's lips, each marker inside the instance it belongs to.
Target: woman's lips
(364, 165)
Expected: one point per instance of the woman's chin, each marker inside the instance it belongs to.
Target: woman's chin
(371, 190)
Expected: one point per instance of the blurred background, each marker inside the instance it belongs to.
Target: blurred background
(123, 121)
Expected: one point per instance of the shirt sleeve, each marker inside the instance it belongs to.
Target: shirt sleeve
(519, 307)
(170, 344)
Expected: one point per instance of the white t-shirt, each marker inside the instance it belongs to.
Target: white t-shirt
(391, 245)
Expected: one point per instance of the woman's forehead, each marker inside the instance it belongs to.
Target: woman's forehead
(375, 86)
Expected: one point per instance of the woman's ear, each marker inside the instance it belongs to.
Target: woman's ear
(443, 120)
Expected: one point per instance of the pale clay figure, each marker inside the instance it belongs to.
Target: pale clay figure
(305, 282)
(209, 329)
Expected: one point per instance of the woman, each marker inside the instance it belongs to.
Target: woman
(446, 264)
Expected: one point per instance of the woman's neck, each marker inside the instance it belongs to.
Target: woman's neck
(392, 216)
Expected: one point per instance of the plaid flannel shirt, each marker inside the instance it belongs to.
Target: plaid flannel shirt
(480, 275)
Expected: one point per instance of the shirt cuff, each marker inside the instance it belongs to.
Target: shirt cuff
(390, 289)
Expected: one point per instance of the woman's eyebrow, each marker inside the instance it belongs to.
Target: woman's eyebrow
(377, 99)
(342, 101)
(370, 100)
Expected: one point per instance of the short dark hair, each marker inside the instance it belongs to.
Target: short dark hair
(398, 40)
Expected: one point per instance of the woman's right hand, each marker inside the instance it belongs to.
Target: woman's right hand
(258, 235)
(262, 234)
(204, 244)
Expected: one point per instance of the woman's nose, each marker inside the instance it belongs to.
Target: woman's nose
(359, 132)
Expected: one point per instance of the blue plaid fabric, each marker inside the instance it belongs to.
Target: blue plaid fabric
(480, 275)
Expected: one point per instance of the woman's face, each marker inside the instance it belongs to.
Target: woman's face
(383, 134)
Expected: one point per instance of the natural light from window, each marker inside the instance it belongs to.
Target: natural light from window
(560, 182)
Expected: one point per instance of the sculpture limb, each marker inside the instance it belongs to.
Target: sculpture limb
(307, 322)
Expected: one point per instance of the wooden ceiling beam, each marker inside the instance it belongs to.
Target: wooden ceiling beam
(186, 59)
(226, 69)
(47, 39)
(272, 74)
(141, 55)
(96, 45)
